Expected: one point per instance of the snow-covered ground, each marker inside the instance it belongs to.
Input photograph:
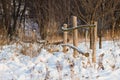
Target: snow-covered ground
(60, 66)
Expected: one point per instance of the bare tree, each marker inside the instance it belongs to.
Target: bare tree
(51, 15)
(94, 10)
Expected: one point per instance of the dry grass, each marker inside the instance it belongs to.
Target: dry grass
(4, 41)
(30, 50)
(54, 38)
(26, 36)
(3, 37)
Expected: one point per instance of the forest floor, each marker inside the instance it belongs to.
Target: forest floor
(59, 66)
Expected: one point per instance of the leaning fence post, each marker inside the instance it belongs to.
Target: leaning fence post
(94, 43)
(75, 34)
(65, 38)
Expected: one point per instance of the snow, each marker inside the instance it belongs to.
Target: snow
(57, 65)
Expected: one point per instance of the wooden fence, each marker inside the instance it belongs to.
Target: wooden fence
(75, 28)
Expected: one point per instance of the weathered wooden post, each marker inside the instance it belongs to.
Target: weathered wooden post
(65, 38)
(86, 36)
(94, 43)
(75, 34)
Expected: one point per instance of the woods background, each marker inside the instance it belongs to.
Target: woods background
(50, 15)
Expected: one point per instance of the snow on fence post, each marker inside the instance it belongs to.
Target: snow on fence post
(65, 38)
(94, 42)
(75, 34)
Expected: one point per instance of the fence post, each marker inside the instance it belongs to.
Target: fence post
(65, 38)
(75, 34)
(86, 36)
(94, 42)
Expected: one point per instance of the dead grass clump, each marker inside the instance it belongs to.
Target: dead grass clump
(100, 64)
(3, 37)
(4, 41)
(29, 50)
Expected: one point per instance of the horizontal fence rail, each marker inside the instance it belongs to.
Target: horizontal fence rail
(80, 26)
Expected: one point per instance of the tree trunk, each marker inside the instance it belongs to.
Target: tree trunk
(15, 15)
(113, 30)
(91, 38)
(7, 18)
(100, 37)
(100, 41)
